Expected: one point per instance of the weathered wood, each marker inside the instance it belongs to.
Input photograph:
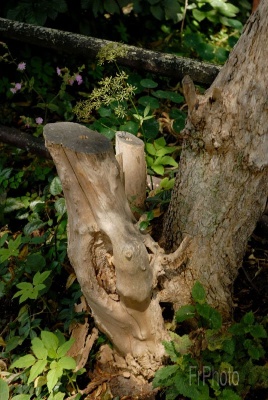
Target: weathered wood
(104, 246)
(134, 168)
(88, 47)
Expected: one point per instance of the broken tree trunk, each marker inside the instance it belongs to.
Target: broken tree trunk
(88, 47)
(117, 267)
(221, 189)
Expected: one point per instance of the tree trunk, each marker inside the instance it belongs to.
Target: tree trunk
(221, 189)
(220, 193)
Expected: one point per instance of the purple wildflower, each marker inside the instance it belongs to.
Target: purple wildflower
(39, 120)
(17, 86)
(22, 66)
(58, 71)
(79, 79)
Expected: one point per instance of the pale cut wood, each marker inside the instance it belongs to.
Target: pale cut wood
(134, 168)
(105, 248)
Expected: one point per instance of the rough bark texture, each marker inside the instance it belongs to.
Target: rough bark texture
(88, 47)
(222, 186)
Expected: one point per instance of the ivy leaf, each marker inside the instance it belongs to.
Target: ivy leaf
(55, 186)
(33, 226)
(60, 206)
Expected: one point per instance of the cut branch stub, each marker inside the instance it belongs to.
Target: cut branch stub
(134, 167)
(94, 172)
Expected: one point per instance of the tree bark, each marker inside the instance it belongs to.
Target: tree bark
(222, 186)
(88, 47)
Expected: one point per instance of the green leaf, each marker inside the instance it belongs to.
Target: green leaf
(159, 169)
(164, 374)
(258, 331)
(33, 226)
(181, 343)
(131, 127)
(148, 100)
(60, 206)
(13, 204)
(185, 312)
(248, 318)
(22, 397)
(165, 150)
(148, 83)
(198, 293)
(24, 286)
(62, 350)
(40, 278)
(50, 341)
(167, 160)
(58, 396)
(150, 148)
(237, 329)
(55, 186)
(39, 349)
(171, 351)
(4, 391)
(36, 370)
(150, 129)
(229, 394)
(24, 362)
(53, 376)
(14, 342)
(67, 363)
(158, 12)
(144, 225)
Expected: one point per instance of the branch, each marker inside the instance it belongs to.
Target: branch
(23, 140)
(88, 47)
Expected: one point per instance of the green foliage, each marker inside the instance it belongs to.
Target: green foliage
(158, 156)
(48, 364)
(37, 12)
(32, 290)
(4, 391)
(214, 361)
